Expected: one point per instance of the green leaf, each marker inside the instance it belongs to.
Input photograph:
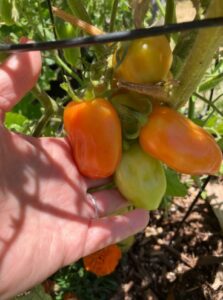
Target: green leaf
(37, 293)
(220, 143)
(16, 122)
(174, 186)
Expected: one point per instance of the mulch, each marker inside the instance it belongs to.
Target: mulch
(188, 266)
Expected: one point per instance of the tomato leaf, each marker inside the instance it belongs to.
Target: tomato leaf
(140, 8)
(16, 122)
(174, 186)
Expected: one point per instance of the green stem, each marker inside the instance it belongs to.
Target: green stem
(218, 98)
(161, 8)
(41, 124)
(170, 14)
(209, 103)
(113, 15)
(107, 186)
(48, 103)
(68, 70)
(199, 58)
(50, 106)
(191, 108)
(170, 17)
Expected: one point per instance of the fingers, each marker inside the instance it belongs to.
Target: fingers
(107, 202)
(110, 230)
(18, 74)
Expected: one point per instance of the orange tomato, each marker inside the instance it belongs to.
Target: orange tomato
(94, 131)
(179, 143)
(104, 261)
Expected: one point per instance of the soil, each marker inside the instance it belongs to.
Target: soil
(167, 264)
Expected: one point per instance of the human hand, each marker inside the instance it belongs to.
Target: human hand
(47, 219)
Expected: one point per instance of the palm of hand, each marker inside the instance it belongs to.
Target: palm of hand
(46, 216)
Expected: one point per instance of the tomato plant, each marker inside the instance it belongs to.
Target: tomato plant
(145, 60)
(65, 30)
(141, 178)
(94, 131)
(179, 143)
(6, 7)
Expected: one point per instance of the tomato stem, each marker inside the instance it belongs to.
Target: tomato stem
(113, 15)
(50, 106)
(206, 43)
(69, 71)
(106, 186)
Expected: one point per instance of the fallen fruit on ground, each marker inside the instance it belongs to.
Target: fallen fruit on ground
(104, 261)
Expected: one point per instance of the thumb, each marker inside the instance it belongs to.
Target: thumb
(18, 74)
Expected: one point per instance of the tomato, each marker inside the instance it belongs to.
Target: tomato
(65, 30)
(94, 131)
(104, 261)
(141, 178)
(179, 143)
(146, 60)
(69, 296)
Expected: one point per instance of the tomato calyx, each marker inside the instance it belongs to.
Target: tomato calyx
(133, 111)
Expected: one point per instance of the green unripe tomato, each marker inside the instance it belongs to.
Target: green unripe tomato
(65, 30)
(141, 178)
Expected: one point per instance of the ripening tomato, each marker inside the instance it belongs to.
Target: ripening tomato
(141, 178)
(146, 60)
(94, 131)
(179, 143)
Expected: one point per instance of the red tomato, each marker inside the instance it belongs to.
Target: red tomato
(94, 131)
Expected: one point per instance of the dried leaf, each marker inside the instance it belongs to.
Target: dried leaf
(139, 8)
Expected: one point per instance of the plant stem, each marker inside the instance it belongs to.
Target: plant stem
(191, 108)
(191, 207)
(41, 124)
(87, 27)
(107, 186)
(68, 70)
(209, 103)
(50, 107)
(48, 103)
(113, 15)
(162, 10)
(170, 14)
(199, 58)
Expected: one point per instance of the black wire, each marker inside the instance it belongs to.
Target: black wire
(113, 36)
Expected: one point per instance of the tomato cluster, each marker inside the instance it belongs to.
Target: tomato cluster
(157, 135)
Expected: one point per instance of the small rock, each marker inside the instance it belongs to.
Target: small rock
(171, 276)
